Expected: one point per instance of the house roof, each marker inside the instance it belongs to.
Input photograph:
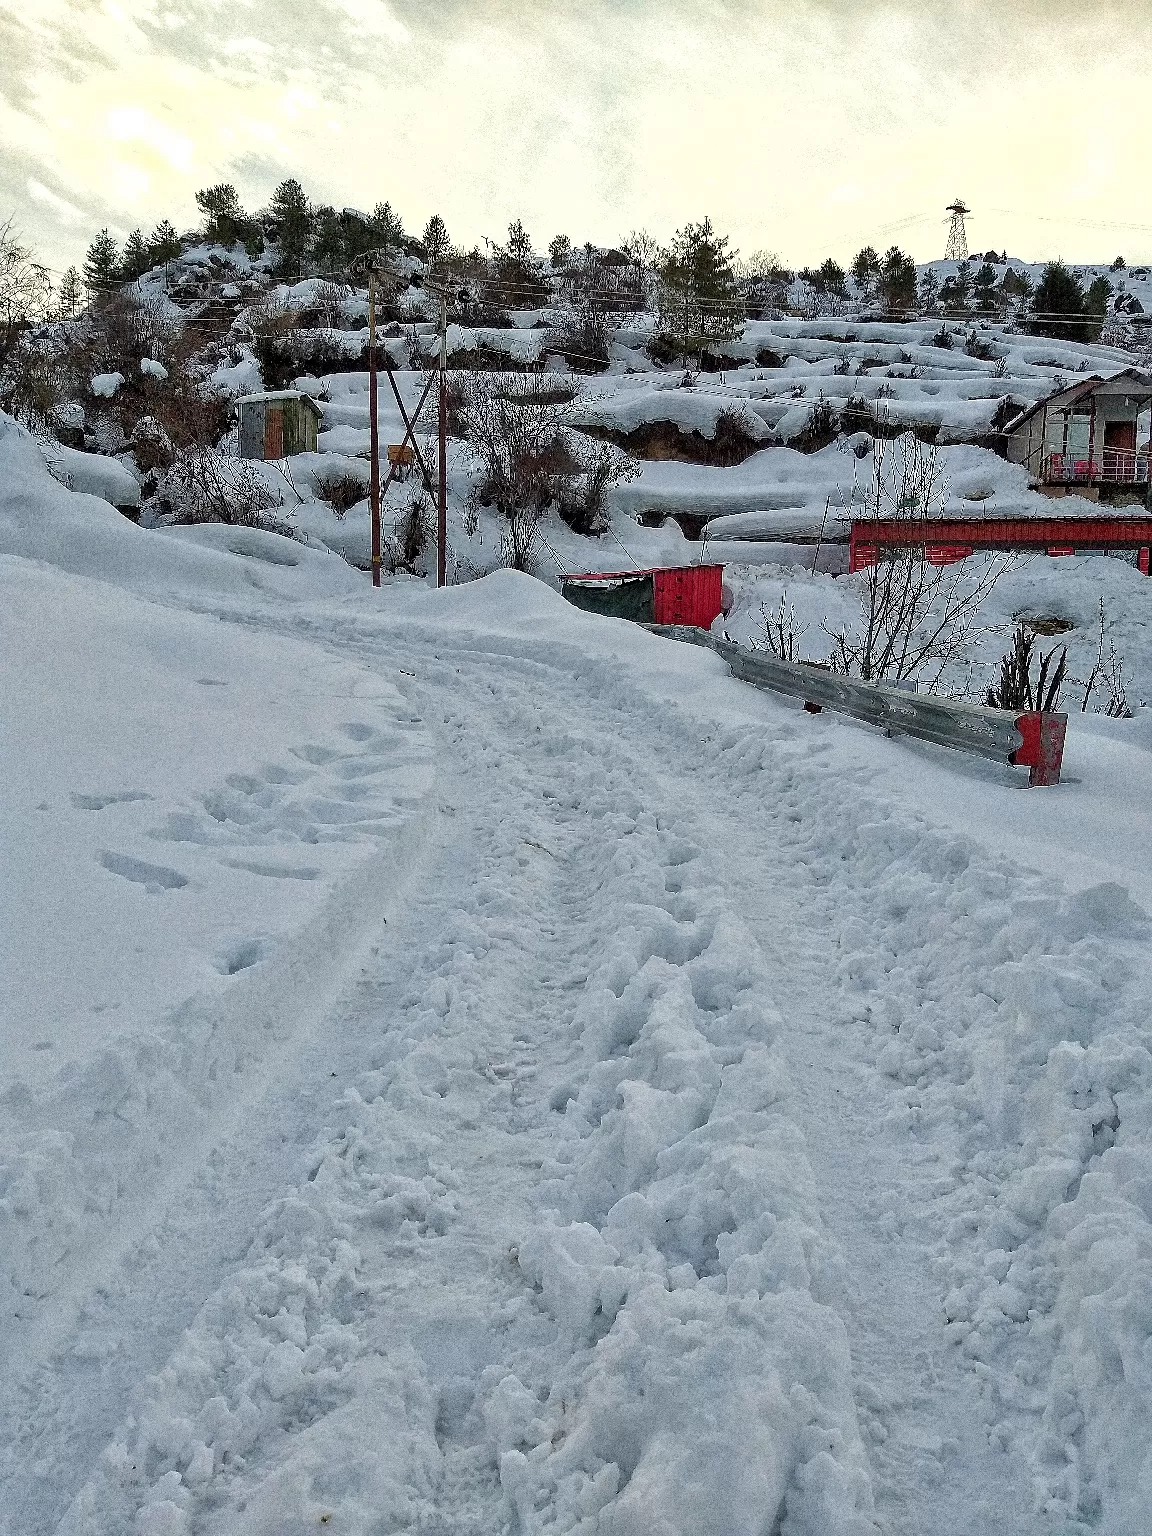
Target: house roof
(1095, 384)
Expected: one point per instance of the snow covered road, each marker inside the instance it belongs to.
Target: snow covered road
(702, 1143)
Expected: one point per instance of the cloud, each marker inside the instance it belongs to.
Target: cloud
(592, 117)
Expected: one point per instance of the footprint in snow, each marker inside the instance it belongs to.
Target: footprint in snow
(112, 797)
(153, 877)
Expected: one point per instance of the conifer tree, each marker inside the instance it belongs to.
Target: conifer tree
(387, 226)
(435, 239)
(699, 297)
(865, 270)
(518, 271)
(1058, 305)
(898, 279)
(225, 222)
(289, 222)
(71, 295)
(163, 244)
(135, 260)
(101, 263)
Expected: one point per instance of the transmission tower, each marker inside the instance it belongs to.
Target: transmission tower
(957, 248)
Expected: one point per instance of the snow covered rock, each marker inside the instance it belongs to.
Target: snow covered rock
(152, 369)
(95, 474)
(105, 385)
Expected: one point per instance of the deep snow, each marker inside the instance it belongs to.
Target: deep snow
(554, 1088)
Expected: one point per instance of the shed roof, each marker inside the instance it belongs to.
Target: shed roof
(281, 394)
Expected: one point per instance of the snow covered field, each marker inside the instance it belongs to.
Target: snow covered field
(474, 1067)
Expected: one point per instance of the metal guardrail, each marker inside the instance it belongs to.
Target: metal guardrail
(1032, 739)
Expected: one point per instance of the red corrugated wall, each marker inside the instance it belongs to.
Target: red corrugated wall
(689, 594)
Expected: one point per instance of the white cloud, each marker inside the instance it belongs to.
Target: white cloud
(66, 212)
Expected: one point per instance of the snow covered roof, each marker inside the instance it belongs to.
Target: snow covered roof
(1095, 384)
(281, 394)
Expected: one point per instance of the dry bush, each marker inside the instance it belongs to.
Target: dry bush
(411, 537)
(1016, 689)
(915, 617)
(273, 316)
(341, 489)
(36, 379)
(204, 486)
(581, 336)
(530, 461)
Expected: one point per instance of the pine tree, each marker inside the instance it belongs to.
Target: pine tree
(956, 290)
(984, 287)
(71, 295)
(163, 244)
(134, 262)
(518, 270)
(387, 226)
(289, 222)
(435, 240)
(560, 252)
(929, 291)
(101, 263)
(225, 222)
(699, 298)
(1059, 304)
(898, 279)
(865, 270)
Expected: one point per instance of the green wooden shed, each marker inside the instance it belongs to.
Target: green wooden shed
(277, 423)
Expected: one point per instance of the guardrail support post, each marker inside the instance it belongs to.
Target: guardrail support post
(1042, 751)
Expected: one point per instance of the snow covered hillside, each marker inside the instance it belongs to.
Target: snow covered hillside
(474, 1067)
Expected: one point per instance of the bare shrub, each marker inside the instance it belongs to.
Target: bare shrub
(341, 489)
(411, 537)
(1016, 689)
(34, 382)
(531, 461)
(25, 289)
(581, 336)
(151, 445)
(819, 430)
(916, 618)
(1107, 675)
(778, 633)
(273, 315)
(204, 486)
(126, 327)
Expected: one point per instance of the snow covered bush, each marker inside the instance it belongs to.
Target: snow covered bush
(203, 486)
(581, 336)
(530, 461)
(916, 618)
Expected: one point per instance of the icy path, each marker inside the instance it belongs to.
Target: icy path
(621, 1187)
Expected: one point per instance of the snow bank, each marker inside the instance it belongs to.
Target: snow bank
(92, 473)
(41, 520)
(689, 410)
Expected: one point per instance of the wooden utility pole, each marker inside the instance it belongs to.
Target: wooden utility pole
(442, 499)
(373, 428)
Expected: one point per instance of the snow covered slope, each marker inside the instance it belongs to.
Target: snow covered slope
(646, 1108)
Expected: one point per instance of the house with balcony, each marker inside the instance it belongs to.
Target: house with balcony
(1092, 439)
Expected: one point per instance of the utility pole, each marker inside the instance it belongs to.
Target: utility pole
(373, 427)
(442, 499)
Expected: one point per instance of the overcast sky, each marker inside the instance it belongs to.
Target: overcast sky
(806, 127)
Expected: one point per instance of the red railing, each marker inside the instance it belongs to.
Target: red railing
(1115, 466)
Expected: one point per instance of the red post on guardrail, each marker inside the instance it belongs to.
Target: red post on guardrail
(1042, 750)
